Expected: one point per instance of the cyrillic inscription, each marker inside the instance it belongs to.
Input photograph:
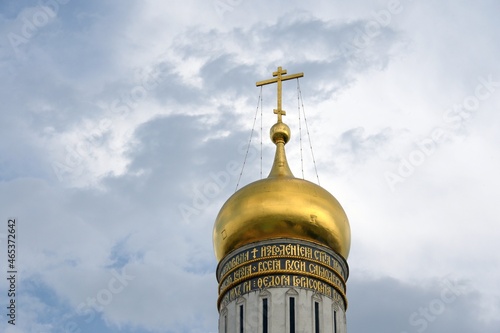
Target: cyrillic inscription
(280, 280)
(289, 250)
(282, 264)
(259, 268)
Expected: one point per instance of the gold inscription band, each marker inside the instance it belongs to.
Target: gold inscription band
(281, 250)
(282, 263)
(270, 266)
(282, 280)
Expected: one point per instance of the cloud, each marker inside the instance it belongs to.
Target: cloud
(125, 128)
(389, 305)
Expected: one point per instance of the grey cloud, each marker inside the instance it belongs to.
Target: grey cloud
(355, 146)
(322, 57)
(391, 306)
(133, 221)
(357, 142)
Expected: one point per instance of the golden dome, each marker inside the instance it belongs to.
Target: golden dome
(281, 206)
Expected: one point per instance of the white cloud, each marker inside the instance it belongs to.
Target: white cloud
(142, 104)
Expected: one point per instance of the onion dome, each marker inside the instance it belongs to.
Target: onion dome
(281, 206)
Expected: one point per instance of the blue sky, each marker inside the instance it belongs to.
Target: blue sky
(117, 115)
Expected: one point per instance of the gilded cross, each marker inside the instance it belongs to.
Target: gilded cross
(279, 77)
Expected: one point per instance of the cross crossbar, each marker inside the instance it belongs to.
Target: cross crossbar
(279, 78)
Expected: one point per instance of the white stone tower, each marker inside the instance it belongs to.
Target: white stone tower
(282, 244)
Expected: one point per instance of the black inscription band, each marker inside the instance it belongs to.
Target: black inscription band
(281, 280)
(278, 263)
(282, 265)
(283, 249)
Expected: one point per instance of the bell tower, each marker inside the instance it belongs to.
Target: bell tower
(282, 244)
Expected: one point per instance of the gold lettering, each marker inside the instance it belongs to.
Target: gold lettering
(326, 274)
(322, 257)
(300, 251)
(235, 261)
(305, 252)
(269, 265)
(295, 265)
(273, 281)
(338, 268)
(313, 268)
(242, 272)
(266, 251)
(235, 292)
(224, 301)
(226, 282)
(304, 282)
(314, 284)
(261, 282)
(309, 283)
(328, 292)
(309, 253)
(291, 250)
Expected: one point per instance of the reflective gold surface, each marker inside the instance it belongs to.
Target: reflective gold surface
(279, 78)
(281, 206)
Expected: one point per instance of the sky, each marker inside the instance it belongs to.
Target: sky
(122, 124)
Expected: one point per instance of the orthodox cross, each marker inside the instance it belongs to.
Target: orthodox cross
(279, 77)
